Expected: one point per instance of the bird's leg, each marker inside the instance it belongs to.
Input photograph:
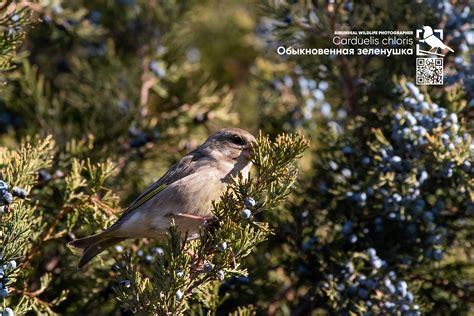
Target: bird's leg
(204, 220)
(196, 217)
(191, 253)
(193, 237)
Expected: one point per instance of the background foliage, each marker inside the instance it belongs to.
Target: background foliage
(381, 220)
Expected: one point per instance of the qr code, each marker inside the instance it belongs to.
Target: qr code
(429, 71)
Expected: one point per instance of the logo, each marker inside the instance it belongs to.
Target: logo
(433, 39)
(429, 71)
(425, 44)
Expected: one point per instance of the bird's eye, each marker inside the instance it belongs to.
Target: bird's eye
(237, 140)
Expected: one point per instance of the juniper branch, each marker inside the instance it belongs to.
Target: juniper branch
(187, 267)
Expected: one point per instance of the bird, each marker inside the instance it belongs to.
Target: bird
(432, 40)
(183, 194)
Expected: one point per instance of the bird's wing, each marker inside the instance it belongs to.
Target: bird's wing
(437, 42)
(179, 170)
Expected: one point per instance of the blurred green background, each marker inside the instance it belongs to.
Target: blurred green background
(142, 82)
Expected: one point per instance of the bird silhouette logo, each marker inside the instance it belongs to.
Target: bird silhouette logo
(435, 42)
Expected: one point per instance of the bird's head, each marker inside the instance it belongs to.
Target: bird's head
(427, 28)
(229, 144)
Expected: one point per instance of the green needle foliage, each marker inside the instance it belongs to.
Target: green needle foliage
(75, 196)
(190, 271)
(14, 19)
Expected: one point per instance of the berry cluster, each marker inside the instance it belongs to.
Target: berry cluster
(365, 286)
(4, 270)
(139, 138)
(403, 202)
(146, 258)
(249, 206)
(8, 267)
(6, 197)
(390, 188)
(311, 94)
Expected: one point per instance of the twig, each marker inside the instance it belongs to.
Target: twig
(47, 236)
(33, 295)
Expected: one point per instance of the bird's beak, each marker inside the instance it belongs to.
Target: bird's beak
(246, 153)
(248, 149)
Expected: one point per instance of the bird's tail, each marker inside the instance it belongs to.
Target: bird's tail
(95, 244)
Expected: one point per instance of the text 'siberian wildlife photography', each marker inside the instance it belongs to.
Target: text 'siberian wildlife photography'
(236, 158)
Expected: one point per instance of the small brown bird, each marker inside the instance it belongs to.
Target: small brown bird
(184, 193)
